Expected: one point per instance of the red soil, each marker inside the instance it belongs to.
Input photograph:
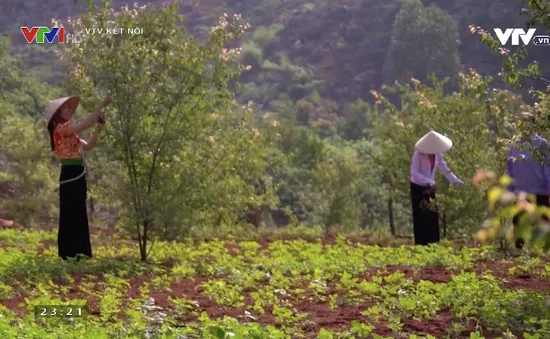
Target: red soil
(319, 315)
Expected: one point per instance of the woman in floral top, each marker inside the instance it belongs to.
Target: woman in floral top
(73, 237)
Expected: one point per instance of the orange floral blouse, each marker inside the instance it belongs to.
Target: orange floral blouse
(66, 146)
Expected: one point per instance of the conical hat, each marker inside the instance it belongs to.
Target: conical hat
(54, 105)
(433, 143)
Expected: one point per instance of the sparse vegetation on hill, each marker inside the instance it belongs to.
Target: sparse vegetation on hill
(337, 50)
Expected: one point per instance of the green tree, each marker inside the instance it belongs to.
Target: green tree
(294, 157)
(19, 88)
(280, 85)
(29, 170)
(24, 143)
(475, 118)
(341, 182)
(514, 70)
(502, 203)
(181, 155)
(323, 182)
(424, 41)
(354, 126)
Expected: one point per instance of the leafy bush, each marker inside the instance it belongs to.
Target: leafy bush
(30, 170)
(477, 121)
(252, 55)
(424, 41)
(264, 35)
(26, 160)
(503, 203)
(180, 153)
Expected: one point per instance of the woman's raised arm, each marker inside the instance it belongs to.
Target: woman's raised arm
(90, 119)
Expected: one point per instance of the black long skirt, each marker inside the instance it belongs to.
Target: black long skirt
(425, 219)
(542, 200)
(73, 238)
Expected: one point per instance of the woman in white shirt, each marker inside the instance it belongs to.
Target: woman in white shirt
(427, 159)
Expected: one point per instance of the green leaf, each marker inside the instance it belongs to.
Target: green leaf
(494, 195)
(217, 332)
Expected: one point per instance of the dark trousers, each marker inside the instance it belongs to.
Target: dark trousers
(425, 219)
(542, 200)
(73, 238)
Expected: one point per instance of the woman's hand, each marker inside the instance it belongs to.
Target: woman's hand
(430, 189)
(92, 118)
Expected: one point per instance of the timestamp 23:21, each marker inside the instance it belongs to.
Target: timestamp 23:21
(60, 311)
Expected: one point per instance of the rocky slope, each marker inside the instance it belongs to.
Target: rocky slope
(344, 42)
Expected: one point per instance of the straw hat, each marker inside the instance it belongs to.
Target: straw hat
(54, 105)
(433, 143)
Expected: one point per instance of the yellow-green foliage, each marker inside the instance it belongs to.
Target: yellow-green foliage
(475, 118)
(30, 170)
(178, 152)
(279, 281)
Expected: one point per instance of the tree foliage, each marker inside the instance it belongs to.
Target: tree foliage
(475, 117)
(503, 204)
(25, 165)
(424, 41)
(179, 153)
(30, 171)
(323, 182)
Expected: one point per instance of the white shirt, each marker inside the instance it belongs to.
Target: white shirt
(422, 174)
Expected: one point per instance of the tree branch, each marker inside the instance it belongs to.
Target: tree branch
(35, 100)
(538, 6)
(160, 141)
(546, 81)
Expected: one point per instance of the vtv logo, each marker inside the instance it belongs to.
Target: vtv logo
(41, 35)
(515, 33)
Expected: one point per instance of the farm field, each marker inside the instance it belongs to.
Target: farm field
(282, 286)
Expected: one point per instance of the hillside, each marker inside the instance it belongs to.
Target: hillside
(202, 216)
(311, 62)
(338, 48)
